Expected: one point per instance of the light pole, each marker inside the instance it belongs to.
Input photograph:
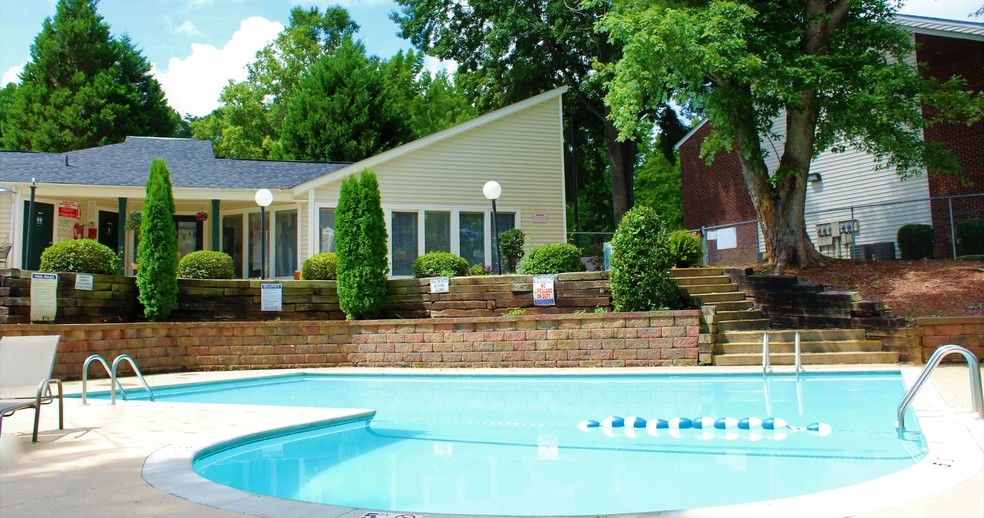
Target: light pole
(492, 190)
(30, 223)
(263, 198)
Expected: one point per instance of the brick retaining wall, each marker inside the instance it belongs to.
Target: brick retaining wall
(644, 339)
(964, 331)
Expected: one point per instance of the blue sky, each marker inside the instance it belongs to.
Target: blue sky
(196, 46)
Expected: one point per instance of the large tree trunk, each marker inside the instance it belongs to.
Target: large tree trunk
(621, 165)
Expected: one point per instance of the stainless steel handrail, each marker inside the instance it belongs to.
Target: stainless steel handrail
(975, 381)
(85, 375)
(136, 370)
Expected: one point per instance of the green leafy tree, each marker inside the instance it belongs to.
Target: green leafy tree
(82, 88)
(641, 261)
(345, 110)
(658, 186)
(6, 99)
(157, 252)
(828, 66)
(360, 240)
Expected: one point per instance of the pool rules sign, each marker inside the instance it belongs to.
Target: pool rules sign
(44, 297)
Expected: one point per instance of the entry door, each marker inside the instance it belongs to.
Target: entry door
(42, 230)
(189, 234)
(108, 221)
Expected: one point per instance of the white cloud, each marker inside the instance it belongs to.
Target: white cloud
(947, 9)
(193, 84)
(435, 65)
(188, 29)
(199, 3)
(12, 75)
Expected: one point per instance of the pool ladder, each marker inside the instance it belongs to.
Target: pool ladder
(797, 354)
(114, 381)
(975, 381)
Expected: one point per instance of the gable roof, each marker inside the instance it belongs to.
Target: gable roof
(429, 140)
(191, 162)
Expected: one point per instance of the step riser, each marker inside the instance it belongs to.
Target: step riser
(742, 325)
(697, 281)
(731, 316)
(809, 359)
(810, 335)
(709, 288)
(696, 272)
(741, 305)
(710, 298)
(807, 348)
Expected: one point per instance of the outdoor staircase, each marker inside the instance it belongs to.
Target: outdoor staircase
(732, 329)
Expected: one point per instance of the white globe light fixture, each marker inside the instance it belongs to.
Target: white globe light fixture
(492, 190)
(263, 198)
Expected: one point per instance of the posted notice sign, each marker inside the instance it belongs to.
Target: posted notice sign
(271, 297)
(543, 290)
(440, 285)
(44, 297)
(83, 281)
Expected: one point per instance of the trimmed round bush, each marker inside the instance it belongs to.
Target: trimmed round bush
(81, 255)
(915, 241)
(511, 246)
(206, 264)
(552, 258)
(685, 248)
(320, 267)
(970, 236)
(439, 264)
(477, 269)
(640, 264)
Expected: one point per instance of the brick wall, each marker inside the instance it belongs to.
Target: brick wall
(713, 194)
(644, 339)
(964, 331)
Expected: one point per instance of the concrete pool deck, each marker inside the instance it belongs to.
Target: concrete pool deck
(96, 465)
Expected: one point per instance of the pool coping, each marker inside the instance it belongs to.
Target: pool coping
(954, 456)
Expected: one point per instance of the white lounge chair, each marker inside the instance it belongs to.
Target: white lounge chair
(26, 363)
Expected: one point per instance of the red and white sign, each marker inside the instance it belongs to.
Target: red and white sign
(539, 217)
(69, 209)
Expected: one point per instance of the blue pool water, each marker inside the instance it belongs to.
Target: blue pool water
(511, 444)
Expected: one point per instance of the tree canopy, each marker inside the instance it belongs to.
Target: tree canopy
(83, 88)
(836, 71)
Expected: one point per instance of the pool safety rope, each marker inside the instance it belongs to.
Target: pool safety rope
(707, 425)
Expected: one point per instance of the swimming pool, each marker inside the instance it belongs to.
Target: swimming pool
(512, 444)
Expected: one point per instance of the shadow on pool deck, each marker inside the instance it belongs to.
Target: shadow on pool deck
(93, 467)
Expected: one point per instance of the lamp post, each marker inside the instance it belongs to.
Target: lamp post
(263, 198)
(492, 190)
(30, 223)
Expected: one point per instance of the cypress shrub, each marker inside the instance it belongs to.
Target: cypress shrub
(970, 236)
(206, 264)
(640, 264)
(511, 246)
(157, 253)
(320, 267)
(81, 255)
(552, 258)
(685, 248)
(360, 240)
(915, 241)
(439, 264)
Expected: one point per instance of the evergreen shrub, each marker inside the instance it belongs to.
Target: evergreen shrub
(82, 255)
(685, 248)
(206, 264)
(477, 269)
(915, 241)
(970, 236)
(360, 242)
(640, 264)
(439, 264)
(511, 247)
(320, 267)
(157, 253)
(552, 258)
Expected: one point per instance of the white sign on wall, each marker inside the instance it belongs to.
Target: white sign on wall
(543, 290)
(271, 297)
(44, 297)
(440, 285)
(83, 281)
(727, 238)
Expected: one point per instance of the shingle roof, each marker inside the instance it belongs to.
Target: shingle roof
(191, 162)
(941, 27)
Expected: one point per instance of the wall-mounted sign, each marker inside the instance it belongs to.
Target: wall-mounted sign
(539, 217)
(440, 285)
(727, 238)
(543, 290)
(271, 297)
(91, 212)
(44, 297)
(83, 281)
(68, 209)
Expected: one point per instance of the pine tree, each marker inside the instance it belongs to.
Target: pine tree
(157, 253)
(360, 239)
(83, 88)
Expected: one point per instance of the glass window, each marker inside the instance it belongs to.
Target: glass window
(285, 243)
(504, 222)
(326, 236)
(232, 241)
(437, 231)
(471, 237)
(404, 229)
(188, 236)
(255, 246)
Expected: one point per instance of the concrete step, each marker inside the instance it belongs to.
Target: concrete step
(700, 289)
(711, 298)
(788, 335)
(744, 325)
(741, 314)
(695, 272)
(737, 305)
(842, 346)
(684, 282)
(835, 358)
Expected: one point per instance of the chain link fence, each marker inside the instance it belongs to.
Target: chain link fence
(860, 232)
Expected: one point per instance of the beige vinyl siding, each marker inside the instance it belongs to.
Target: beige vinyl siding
(522, 151)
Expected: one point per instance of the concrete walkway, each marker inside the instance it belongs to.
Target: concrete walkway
(94, 466)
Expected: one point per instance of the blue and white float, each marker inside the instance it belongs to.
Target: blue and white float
(705, 428)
